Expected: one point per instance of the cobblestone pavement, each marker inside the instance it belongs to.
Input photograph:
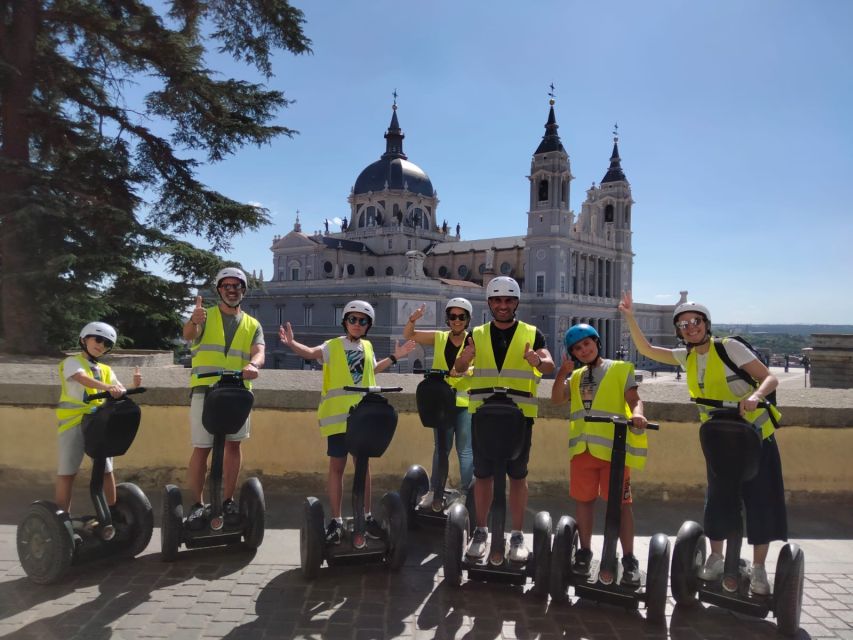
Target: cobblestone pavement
(230, 593)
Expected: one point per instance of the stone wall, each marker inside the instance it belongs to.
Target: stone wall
(831, 358)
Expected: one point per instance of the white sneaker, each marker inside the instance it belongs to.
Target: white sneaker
(426, 501)
(758, 581)
(517, 551)
(479, 542)
(713, 568)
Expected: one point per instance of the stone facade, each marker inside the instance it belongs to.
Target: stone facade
(831, 356)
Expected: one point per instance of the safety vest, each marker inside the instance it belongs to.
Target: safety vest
(335, 401)
(717, 388)
(209, 354)
(609, 400)
(70, 410)
(462, 383)
(516, 372)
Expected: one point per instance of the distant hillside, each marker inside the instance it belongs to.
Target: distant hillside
(780, 339)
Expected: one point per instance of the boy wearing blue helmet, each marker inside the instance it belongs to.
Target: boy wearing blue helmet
(599, 387)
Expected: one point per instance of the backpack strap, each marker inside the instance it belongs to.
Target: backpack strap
(743, 375)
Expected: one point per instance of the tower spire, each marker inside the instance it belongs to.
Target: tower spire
(614, 172)
(551, 140)
(394, 136)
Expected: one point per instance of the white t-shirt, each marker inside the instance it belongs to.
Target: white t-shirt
(354, 351)
(70, 366)
(738, 353)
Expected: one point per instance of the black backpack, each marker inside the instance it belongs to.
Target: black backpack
(741, 373)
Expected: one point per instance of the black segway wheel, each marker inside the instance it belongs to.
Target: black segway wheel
(395, 527)
(135, 509)
(562, 555)
(415, 484)
(252, 512)
(542, 529)
(688, 557)
(656, 579)
(172, 524)
(45, 543)
(311, 538)
(788, 589)
(455, 539)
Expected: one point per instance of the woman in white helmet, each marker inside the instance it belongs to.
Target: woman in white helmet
(347, 361)
(80, 375)
(447, 345)
(709, 376)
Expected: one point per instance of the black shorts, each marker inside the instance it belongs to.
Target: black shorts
(336, 445)
(515, 469)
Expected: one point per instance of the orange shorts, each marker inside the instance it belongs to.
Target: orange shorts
(590, 479)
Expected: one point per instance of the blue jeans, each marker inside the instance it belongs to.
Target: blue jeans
(462, 429)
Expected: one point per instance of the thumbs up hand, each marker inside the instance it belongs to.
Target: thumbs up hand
(532, 357)
(199, 315)
(468, 352)
(137, 378)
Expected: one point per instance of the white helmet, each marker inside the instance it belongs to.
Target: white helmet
(360, 306)
(232, 272)
(695, 307)
(459, 303)
(503, 287)
(99, 329)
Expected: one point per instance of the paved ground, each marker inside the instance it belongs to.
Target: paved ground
(230, 593)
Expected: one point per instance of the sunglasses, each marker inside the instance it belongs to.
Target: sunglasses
(694, 322)
(231, 287)
(362, 322)
(457, 316)
(102, 340)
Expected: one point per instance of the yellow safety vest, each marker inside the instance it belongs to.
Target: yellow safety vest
(460, 384)
(70, 410)
(609, 400)
(717, 388)
(209, 354)
(335, 401)
(516, 372)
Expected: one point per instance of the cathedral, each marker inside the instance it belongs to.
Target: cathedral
(393, 252)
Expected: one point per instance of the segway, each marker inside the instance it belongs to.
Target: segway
(50, 540)
(732, 447)
(602, 583)
(370, 427)
(227, 405)
(436, 402)
(498, 429)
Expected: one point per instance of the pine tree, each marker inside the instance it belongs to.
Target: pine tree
(91, 189)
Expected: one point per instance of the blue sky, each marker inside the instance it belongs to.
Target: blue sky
(734, 122)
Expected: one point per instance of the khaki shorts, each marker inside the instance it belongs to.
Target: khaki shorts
(200, 438)
(71, 452)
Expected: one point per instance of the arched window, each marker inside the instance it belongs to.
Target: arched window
(543, 190)
(389, 271)
(462, 271)
(506, 268)
(350, 269)
(608, 213)
(371, 217)
(370, 272)
(443, 271)
(328, 267)
(564, 192)
(482, 268)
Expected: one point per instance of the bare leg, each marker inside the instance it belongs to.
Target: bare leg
(517, 502)
(483, 492)
(231, 464)
(626, 530)
(335, 484)
(759, 553)
(585, 513)
(367, 492)
(196, 472)
(62, 491)
(110, 488)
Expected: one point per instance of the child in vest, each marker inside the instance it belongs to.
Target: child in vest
(606, 387)
(347, 361)
(81, 375)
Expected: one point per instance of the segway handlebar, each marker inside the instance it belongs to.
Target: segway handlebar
(726, 404)
(221, 372)
(654, 426)
(106, 395)
(432, 372)
(372, 389)
(502, 390)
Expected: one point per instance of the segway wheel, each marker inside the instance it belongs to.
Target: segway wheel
(788, 589)
(135, 508)
(562, 556)
(172, 524)
(542, 529)
(252, 512)
(45, 543)
(415, 484)
(688, 557)
(455, 540)
(656, 579)
(394, 524)
(311, 538)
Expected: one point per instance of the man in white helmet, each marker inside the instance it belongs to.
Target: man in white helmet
(506, 353)
(221, 337)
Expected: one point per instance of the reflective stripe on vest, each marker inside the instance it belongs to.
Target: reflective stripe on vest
(516, 373)
(460, 384)
(70, 410)
(335, 401)
(717, 388)
(209, 355)
(609, 400)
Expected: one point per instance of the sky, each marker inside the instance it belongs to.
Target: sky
(734, 122)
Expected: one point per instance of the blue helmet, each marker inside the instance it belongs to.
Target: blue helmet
(578, 332)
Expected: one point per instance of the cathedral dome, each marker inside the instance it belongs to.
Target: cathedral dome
(394, 173)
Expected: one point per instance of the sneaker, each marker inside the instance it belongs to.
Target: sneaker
(630, 571)
(372, 529)
(583, 560)
(479, 541)
(231, 512)
(426, 500)
(713, 568)
(758, 584)
(517, 551)
(197, 518)
(334, 532)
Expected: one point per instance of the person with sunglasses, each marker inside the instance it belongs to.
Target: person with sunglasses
(347, 361)
(708, 376)
(447, 345)
(80, 375)
(223, 337)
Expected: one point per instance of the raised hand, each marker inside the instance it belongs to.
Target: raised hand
(417, 314)
(567, 365)
(285, 334)
(626, 305)
(404, 350)
(532, 357)
(469, 350)
(199, 315)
